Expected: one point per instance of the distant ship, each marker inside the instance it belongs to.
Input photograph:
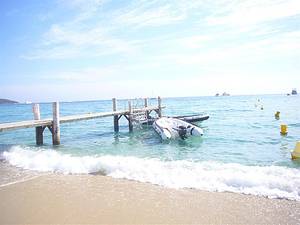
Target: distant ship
(225, 94)
(294, 91)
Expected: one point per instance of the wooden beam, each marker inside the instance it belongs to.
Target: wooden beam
(56, 124)
(146, 105)
(39, 138)
(130, 125)
(159, 106)
(116, 117)
(24, 124)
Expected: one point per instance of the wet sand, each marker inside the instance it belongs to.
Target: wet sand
(66, 199)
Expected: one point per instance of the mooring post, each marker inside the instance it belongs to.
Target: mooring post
(116, 118)
(130, 125)
(146, 105)
(55, 124)
(38, 130)
(159, 106)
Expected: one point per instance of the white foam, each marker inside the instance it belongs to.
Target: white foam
(269, 181)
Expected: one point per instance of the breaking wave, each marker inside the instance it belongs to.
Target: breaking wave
(268, 181)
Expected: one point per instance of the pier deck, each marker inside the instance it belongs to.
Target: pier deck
(68, 119)
(53, 124)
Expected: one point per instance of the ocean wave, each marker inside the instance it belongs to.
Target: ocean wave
(268, 181)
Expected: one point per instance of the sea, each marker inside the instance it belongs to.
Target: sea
(241, 151)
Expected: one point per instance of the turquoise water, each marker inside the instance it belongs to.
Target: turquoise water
(241, 150)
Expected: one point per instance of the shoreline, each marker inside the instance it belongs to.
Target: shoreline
(66, 199)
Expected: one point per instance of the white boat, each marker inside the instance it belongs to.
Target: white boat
(171, 128)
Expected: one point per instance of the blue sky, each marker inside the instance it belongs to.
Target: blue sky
(99, 49)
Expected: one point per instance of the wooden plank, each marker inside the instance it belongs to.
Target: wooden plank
(67, 119)
(55, 124)
(25, 124)
(73, 118)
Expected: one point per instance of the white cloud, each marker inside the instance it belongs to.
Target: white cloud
(193, 41)
(157, 13)
(283, 46)
(100, 74)
(85, 9)
(85, 75)
(93, 32)
(247, 13)
(62, 41)
(142, 48)
(141, 17)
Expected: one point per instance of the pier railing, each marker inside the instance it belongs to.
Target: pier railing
(53, 124)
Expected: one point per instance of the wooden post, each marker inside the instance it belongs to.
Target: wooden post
(159, 106)
(38, 130)
(55, 124)
(146, 105)
(130, 125)
(116, 118)
(36, 111)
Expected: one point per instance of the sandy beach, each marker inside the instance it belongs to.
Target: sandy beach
(70, 199)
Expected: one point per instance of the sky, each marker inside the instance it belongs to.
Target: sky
(67, 50)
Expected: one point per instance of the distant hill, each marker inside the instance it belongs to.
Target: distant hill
(6, 101)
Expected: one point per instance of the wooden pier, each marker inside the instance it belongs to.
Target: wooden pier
(53, 124)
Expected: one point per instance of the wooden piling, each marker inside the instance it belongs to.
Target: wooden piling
(116, 118)
(130, 125)
(159, 106)
(36, 111)
(55, 124)
(146, 105)
(38, 130)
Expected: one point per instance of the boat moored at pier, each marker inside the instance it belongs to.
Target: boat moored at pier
(172, 128)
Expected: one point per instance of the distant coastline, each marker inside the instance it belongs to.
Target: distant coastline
(7, 101)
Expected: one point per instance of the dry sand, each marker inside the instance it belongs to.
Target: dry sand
(69, 199)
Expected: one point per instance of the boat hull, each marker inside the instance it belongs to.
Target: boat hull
(172, 128)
